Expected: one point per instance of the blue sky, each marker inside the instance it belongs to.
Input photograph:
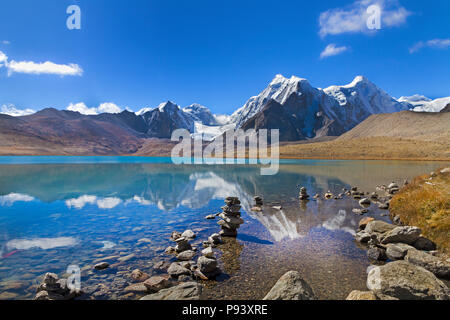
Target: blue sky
(140, 53)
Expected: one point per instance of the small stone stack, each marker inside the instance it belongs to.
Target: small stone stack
(231, 216)
(53, 288)
(207, 264)
(303, 194)
(258, 201)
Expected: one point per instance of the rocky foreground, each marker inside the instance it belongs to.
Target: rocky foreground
(406, 265)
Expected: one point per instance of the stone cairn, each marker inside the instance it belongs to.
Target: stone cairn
(53, 288)
(303, 194)
(231, 216)
(207, 264)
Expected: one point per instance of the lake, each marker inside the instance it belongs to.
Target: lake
(61, 211)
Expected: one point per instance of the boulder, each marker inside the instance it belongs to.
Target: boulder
(424, 244)
(186, 255)
(406, 235)
(362, 236)
(378, 226)
(397, 251)
(405, 281)
(377, 254)
(361, 295)
(207, 265)
(156, 283)
(136, 288)
(189, 234)
(183, 291)
(291, 286)
(438, 267)
(208, 252)
(363, 223)
(175, 270)
(138, 276)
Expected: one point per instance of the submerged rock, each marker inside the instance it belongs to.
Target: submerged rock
(405, 281)
(139, 276)
(156, 283)
(291, 286)
(183, 291)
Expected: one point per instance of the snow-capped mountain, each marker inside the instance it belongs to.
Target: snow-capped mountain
(420, 103)
(310, 112)
(201, 114)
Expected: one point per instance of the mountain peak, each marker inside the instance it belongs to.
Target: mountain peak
(279, 78)
(169, 105)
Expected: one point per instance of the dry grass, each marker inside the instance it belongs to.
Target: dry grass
(426, 203)
(375, 148)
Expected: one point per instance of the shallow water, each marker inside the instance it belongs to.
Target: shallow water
(55, 214)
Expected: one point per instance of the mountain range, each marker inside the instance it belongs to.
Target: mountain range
(293, 105)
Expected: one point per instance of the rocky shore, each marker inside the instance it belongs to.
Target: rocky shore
(405, 264)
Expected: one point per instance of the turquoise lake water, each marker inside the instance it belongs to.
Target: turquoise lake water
(61, 211)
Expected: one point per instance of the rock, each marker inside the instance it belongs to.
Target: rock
(170, 250)
(175, 235)
(136, 287)
(406, 235)
(438, 267)
(445, 170)
(156, 283)
(376, 254)
(50, 278)
(424, 244)
(189, 234)
(101, 266)
(291, 286)
(328, 195)
(393, 185)
(396, 220)
(363, 222)
(186, 255)
(362, 237)
(378, 227)
(397, 251)
(384, 205)
(175, 270)
(215, 238)
(161, 266)
(42, 295)
(182, 245)
(405, 281)
(361, 295)
(256, 209)
(139, 276)
(183, 291)
(364, 202)
(210, 217)
(127, 257)
(277, 207)
(303, 194)
(208, 252)
(206, 265)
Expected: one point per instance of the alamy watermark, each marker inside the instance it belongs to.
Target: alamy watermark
(230, 148)
(74, 20)
(74, 280)
(373, 21)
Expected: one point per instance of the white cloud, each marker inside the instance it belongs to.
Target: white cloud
(353, 18)
(3, 59)
(107, 107)
(102, 203)
(332, 50)
(48, 67)
(6, 42)
(11, 110)
(435, 43)
(41, 243)
(12, 198)
(108, 203)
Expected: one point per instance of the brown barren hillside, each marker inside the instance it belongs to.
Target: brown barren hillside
(404, 135)
(406, 124)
